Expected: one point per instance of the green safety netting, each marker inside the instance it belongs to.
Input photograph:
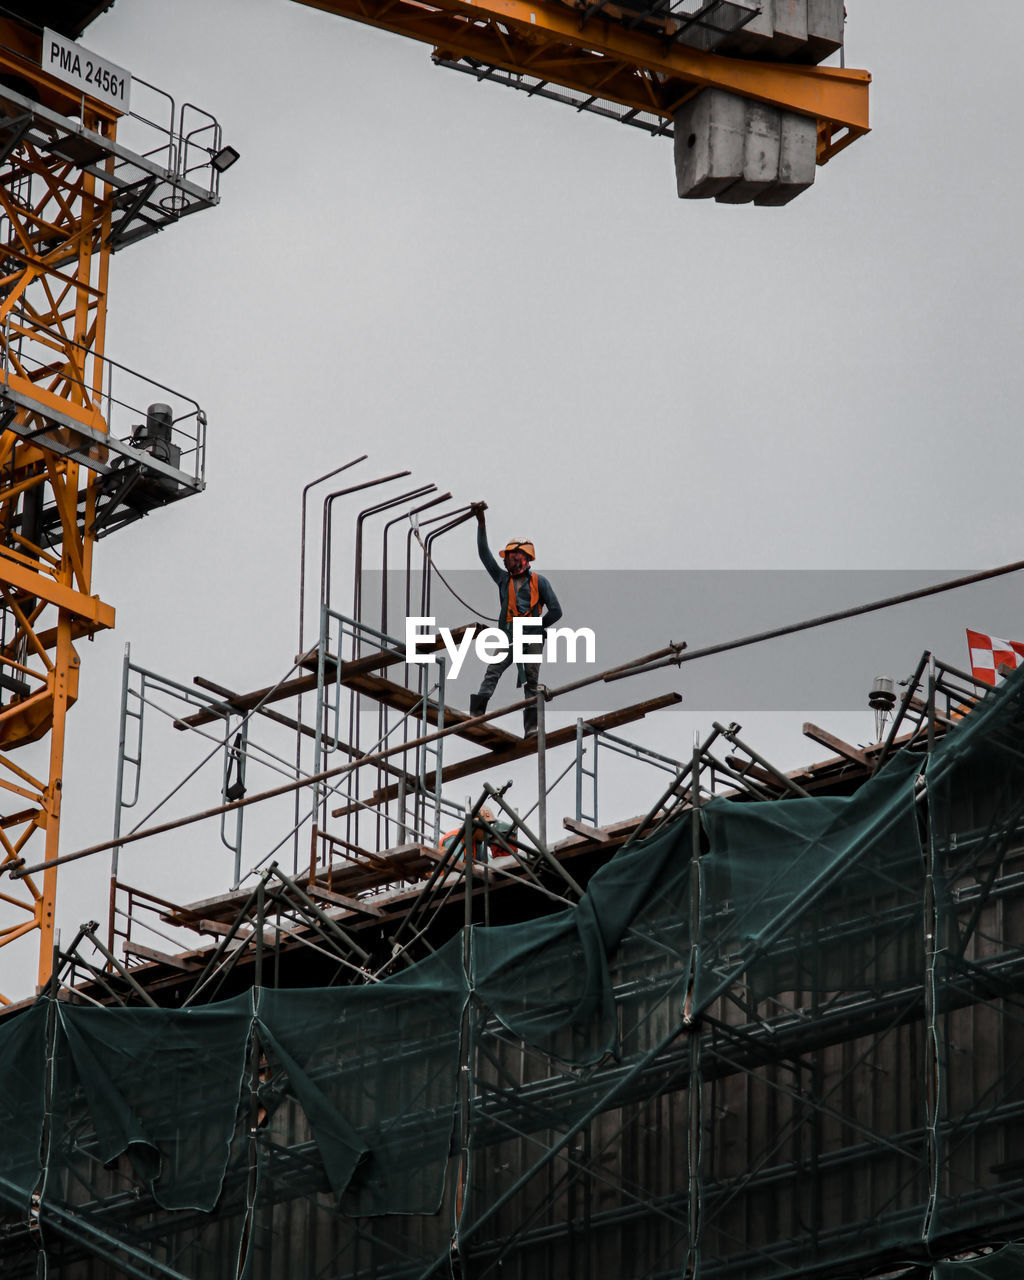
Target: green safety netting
(809, 937)
(770, 865)
(549, 982)
(22, 1102)
(374, 1069)
(163, 1086)
(806, 1052)
(557, 1091)
(976, 806)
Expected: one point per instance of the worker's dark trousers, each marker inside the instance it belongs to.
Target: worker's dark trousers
(531, 673)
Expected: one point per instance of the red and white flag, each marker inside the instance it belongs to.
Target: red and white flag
(989, 653)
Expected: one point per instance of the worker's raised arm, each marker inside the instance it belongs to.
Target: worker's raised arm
(483, 550)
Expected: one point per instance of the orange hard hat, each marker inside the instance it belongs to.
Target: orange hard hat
(519, 544)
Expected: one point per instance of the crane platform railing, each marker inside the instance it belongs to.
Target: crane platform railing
(53, 405)
(165, 163)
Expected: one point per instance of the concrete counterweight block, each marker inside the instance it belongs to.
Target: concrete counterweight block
(802, 31)
(761, 25)
(736, 150)
(754, 38)
(798, 158)
(778, 31)
(824, 28)
(709, 135)
(789, 20)
(761, 148)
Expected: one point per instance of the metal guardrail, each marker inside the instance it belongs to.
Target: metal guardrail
(182, 144)
(110, 422)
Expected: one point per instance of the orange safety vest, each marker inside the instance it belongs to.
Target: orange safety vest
(479, 844)
(512, 610)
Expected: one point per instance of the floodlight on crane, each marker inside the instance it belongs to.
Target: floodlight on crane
(223, 159)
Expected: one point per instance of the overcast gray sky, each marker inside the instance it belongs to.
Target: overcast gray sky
(507, 298)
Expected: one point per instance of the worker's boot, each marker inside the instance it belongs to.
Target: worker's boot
(477, 704)
(530, 720)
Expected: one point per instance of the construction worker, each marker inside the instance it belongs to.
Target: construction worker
(484, 846)
(521, 594)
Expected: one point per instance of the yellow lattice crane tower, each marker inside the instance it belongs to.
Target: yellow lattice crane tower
(91, 160)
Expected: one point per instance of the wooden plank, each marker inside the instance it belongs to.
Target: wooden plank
(383, 657)
(339, 900)
(479, 869)
(748, 769)
(381, 866)
(399, 698)
(524, 747)
(584, 829)
(159, 957)
(841, 748)
(191, 911)
(403, 852)
(243, 702)
(616, 833)
(403, 862)
(218, 927)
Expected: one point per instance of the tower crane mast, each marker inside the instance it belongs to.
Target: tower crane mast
(87, 446)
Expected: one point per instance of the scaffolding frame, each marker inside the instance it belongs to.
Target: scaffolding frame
(794, 1064)
(555, 1161)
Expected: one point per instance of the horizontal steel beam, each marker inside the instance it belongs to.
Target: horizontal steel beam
(89, 608)
(608, 59)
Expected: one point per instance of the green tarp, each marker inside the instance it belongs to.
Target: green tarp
(340, 1108)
